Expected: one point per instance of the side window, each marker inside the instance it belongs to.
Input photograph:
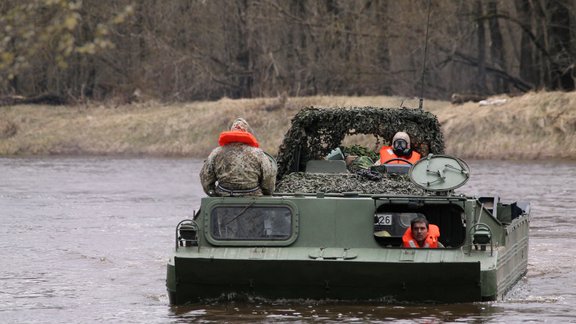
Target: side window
(251, 223)
(391, 222)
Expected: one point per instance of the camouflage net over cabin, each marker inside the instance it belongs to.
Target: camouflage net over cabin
(316, 131)
(338, 183)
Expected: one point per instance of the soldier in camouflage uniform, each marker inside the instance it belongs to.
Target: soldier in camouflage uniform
(238, 168)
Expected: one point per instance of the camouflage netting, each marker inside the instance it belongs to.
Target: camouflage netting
(338, 183)
(316, 131)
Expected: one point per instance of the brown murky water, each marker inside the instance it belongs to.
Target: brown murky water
(86, 240)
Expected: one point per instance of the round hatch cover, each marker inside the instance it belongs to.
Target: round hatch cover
(440, 173)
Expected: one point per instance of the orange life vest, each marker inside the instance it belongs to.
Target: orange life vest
(430, 242)
(387, 153)
(228, 137)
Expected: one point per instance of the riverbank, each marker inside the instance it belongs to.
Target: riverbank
(532, 126)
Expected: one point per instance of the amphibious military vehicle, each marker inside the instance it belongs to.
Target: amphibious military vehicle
(332, 231)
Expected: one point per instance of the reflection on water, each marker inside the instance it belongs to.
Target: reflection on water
(87, 240)
(306, 311)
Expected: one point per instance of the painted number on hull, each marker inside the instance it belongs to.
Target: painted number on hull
(384, 220)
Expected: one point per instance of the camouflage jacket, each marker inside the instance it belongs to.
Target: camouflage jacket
(238, 167)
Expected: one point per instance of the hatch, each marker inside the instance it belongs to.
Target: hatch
(440, 173)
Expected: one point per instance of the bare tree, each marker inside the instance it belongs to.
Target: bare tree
(182, 50)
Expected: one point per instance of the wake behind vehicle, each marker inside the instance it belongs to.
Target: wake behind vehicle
(334, 232)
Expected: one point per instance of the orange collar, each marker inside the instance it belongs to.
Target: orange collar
(228, 137)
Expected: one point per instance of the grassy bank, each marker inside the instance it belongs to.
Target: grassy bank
(533, 126)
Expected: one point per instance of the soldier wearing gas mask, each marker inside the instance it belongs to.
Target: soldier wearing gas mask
(400, 152)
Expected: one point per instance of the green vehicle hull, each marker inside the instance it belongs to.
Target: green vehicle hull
(342, 259)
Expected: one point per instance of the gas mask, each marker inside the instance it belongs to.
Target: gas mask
(400, 148)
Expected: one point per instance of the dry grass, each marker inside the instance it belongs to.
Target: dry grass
(533, 126)
(536, 125)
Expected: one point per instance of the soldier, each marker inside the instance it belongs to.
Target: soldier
(238, 167)
(399, 150)
(421, 234)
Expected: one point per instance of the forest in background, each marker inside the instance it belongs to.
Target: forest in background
(191, 50)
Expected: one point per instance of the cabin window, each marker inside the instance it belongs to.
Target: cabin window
(251, 223)
(391, 221)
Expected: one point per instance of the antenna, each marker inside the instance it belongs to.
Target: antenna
(421, 101)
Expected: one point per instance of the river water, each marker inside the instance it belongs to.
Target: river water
(86, 240)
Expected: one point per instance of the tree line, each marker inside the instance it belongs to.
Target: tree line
(184, 50)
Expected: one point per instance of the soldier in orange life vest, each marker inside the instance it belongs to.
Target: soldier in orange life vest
(400, 149)
(238, 167)
(421, 234)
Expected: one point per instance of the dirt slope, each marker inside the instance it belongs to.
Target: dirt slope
(532, 126)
